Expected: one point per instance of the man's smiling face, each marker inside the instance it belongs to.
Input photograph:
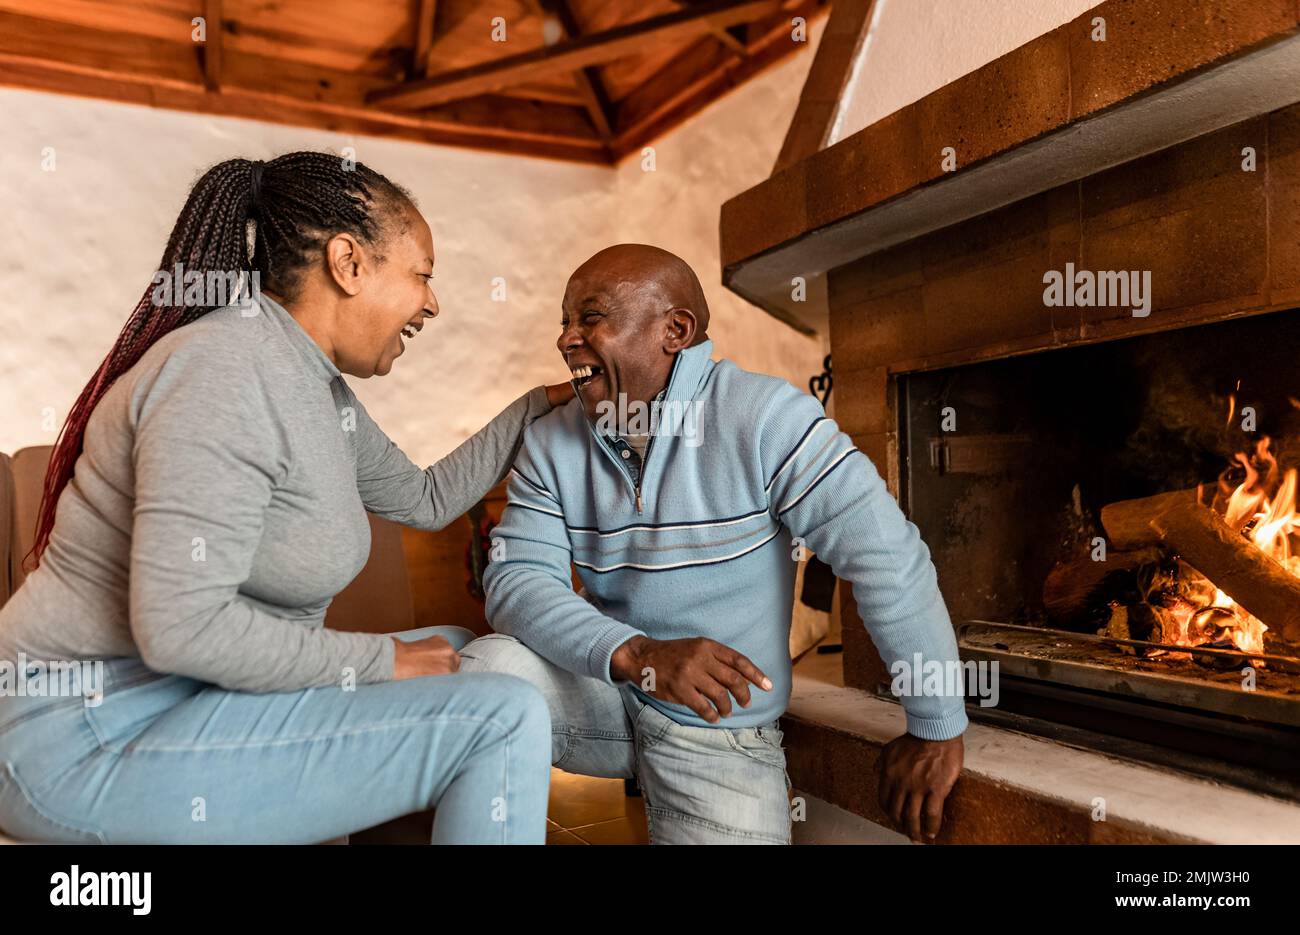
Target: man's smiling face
(627, 312)
(613, 330)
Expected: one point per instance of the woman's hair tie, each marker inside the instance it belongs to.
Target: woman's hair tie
(255, 184)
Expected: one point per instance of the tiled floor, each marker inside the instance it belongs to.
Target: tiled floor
(585, 810)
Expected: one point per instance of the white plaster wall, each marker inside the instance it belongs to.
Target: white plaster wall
(718, 153)
(79, 245)
(918, 46)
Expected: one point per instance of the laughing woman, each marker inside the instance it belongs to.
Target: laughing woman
(205, 502)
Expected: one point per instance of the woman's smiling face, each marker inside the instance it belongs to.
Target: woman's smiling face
(396, 297)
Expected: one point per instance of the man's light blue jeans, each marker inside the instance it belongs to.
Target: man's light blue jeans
(702, 785)
(168, 759)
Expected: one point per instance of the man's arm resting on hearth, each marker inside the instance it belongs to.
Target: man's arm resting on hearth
(829, 494)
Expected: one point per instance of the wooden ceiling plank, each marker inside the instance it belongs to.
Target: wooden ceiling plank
(591, 49)
(426, 24)
(238, 102)
(120, 61)
(730, 41)
(45, 55)
(212, 51)
(164, 19)
(369, 122)
(468, 36)
(92, 52)
(545, 92)
(590, 88)
(345, 92)
(722, 33)
(679, 80)
(595, 102)
(699, 76)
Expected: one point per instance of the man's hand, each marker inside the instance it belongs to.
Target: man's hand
(432, 655)
(699, 673)
(914, 777)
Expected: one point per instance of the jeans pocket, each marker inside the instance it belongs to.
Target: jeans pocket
(751, 742)
(771, 734)
(25, 819)
(119, 716)
(651, 726)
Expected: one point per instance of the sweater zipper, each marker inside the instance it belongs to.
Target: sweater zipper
(635, 485)
(637, 500)
(622, 469)
(600, 443)
(641, 477)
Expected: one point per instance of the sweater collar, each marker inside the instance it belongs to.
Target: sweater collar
(688, 370)
(318, 363)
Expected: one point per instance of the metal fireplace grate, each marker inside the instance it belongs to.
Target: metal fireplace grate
(1078, 688)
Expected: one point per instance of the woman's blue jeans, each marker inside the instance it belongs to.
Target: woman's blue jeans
(168, 759)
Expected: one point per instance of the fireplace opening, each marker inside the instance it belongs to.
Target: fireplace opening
(1115, 525)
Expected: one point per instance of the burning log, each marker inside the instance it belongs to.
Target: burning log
(1128, 522)
(1215, 661)
(1235, 565)
(1076, 593)
(1135, 622)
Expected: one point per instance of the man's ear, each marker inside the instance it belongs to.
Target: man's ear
(346, 261)
(679, 330)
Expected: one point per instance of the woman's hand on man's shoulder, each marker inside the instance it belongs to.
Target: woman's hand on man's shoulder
(557, 394)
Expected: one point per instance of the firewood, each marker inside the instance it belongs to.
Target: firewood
(1235, 564)
(1139, 621)
(1076, 591)
(1217, 662)
(1128, 522)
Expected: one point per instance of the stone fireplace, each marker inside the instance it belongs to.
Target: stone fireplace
(1074, 355)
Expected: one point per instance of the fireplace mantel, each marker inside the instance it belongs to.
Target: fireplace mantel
(1057, 109)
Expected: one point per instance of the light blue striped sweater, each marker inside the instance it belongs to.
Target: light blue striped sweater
(710, 552)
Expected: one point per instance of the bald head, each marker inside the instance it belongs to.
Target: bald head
(662, 280)
(628, 311)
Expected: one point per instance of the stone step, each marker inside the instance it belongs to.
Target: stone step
(1020, 789)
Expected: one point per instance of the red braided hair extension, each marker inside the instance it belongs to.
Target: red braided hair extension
(302, 199)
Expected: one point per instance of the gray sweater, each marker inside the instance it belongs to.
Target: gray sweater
(219, 505)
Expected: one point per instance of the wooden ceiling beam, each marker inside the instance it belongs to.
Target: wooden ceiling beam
(698, 76)
(82, 49)
(632, 38)
(823, 89)
(96, 53)
(212, 50)
(723, 34)
(426, 24)
(731, 41)
(155, 20)
(545, 92)
(757, 30)
(50, 56)
(590, 88)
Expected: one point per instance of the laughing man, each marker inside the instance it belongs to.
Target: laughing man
(674, 665)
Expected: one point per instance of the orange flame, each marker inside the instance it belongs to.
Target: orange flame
(1263, 510)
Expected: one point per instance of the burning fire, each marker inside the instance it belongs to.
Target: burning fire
(1263, 509)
